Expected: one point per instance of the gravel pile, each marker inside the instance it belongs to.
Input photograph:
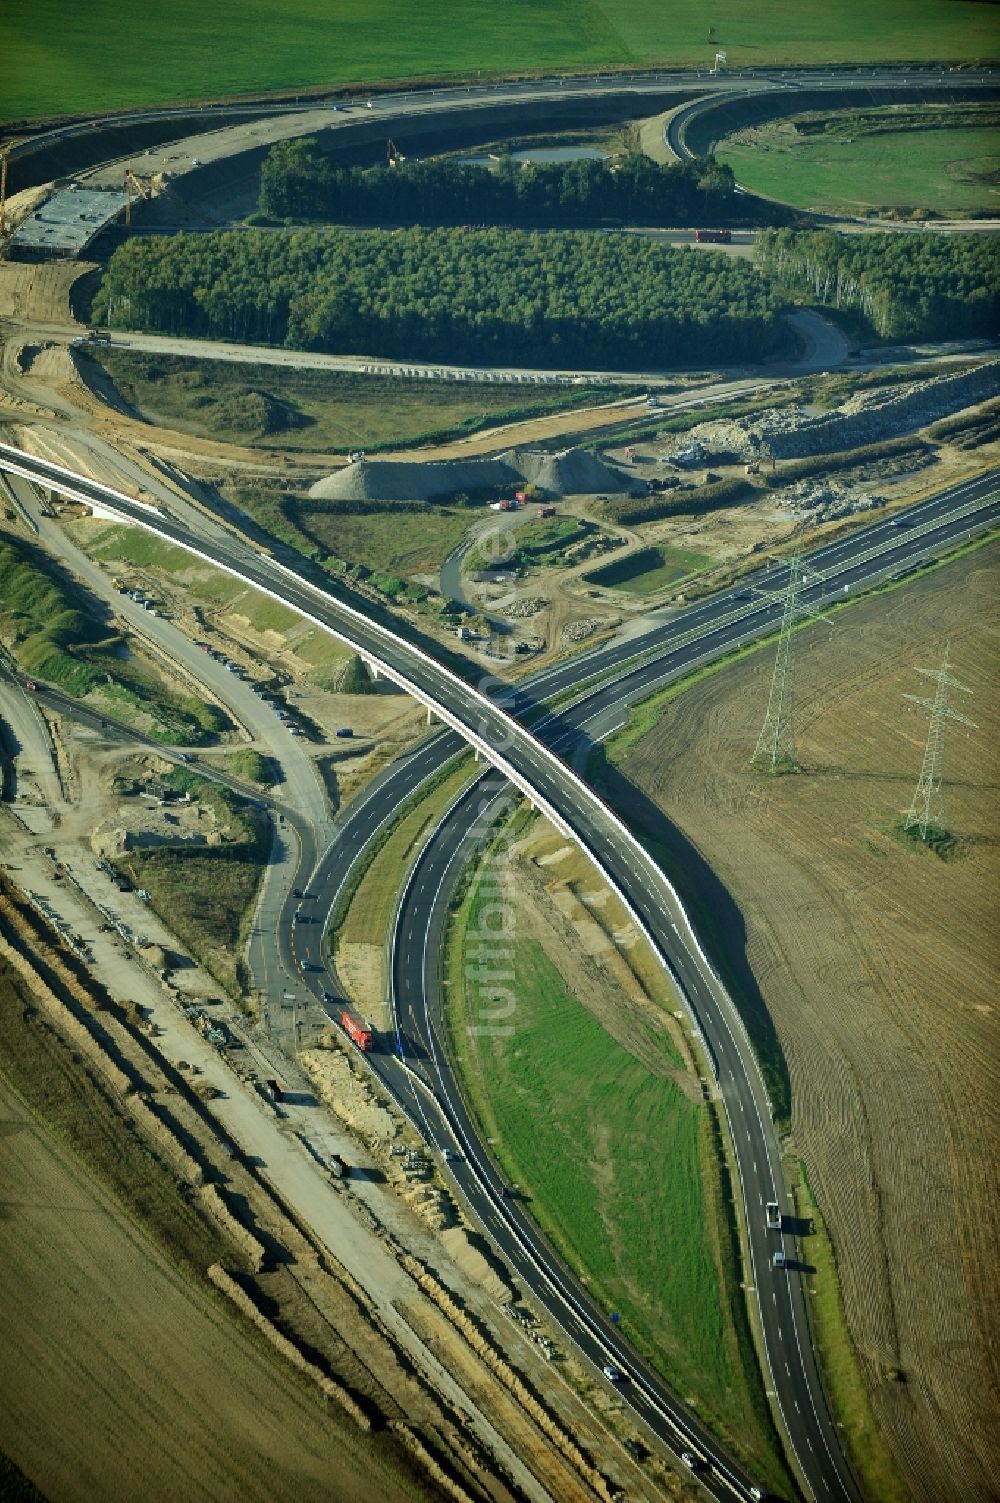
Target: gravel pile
(398, 480)
(521, 609)
(569, 473)
(572, 472)
(579, 631)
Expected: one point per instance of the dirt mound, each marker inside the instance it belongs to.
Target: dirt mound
(395, 480)
(571, 472)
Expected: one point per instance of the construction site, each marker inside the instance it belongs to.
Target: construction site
(205, 868)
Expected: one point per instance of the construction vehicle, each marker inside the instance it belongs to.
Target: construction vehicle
(547, 511)
(361, 1033)
(135, 188)
(773, 1216)
(393, 154)
(714, 237)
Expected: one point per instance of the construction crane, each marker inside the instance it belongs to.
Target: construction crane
(393, 154)
(4, 154)
(134, 188)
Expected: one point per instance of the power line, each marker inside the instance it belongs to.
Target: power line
(775, 750)
(926, 811)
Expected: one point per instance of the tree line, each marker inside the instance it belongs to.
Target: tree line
(558, 298)
(299, 182)
(907, 285)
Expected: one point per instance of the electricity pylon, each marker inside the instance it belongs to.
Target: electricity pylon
(775, 751)
(926, 807)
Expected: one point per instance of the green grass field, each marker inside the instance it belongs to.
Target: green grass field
(388, 541)
(59, 59)
(319, 411)
(649, 570)
(620, 1175)
(951, 172)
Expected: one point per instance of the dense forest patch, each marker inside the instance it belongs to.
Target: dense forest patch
(907, 285)
(536, 299)
(298, 181)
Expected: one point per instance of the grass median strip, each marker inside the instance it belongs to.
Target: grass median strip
(619, 1168)
(368, 901)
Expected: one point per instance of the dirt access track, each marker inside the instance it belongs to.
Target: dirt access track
(878, 963)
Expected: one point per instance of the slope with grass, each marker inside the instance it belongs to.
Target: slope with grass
(884, 159)
(57, 630)
(326, 411)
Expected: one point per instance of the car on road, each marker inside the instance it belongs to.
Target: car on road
(690, 1460)
(329, 997)
(779, 1260)
(297, 892)
(613, 1374)
(345, 731)
(29, 683)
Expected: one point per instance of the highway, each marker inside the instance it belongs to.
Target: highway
(426, 1086)
(528, 761)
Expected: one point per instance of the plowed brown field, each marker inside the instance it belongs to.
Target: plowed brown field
(119, 1378)
(878, 964)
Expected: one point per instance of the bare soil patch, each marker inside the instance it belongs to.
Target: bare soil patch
(878, 964)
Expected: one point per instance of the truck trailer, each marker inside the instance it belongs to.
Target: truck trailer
(357, 1030)
(714, 237)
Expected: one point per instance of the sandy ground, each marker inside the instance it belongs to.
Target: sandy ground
(878, 963)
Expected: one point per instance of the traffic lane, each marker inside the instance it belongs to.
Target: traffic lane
(771, 576)
(784, 1381)
(505, 1217)
(808, 1422)
(420, 765)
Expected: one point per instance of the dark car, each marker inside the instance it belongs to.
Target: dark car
(345, 730)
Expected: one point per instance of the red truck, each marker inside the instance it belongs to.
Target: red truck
(361, 1033)
(714, 237)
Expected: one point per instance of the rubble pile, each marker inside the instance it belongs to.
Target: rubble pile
(826, 501)
(520, 610)
(579, 631)
(865, 418)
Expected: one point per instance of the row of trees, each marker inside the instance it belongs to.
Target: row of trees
(511, 297)
(907, 285)
(299, 182)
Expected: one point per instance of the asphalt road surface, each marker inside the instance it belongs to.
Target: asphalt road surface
(524, 757)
